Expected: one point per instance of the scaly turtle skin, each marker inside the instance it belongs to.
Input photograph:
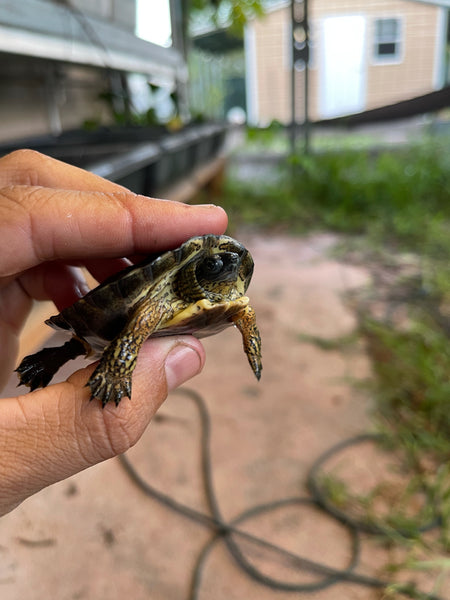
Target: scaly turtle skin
(199, 288)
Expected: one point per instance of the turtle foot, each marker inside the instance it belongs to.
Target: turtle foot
(37, 370)
(107, 388)
(34, 371)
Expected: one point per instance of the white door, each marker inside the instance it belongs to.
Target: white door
(342, 81)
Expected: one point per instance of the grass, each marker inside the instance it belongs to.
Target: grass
(391, 195)
(386, 204)
(412, 386)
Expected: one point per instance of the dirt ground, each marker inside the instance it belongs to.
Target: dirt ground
(97, 535)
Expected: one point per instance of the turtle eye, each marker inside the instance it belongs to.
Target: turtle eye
(212, 266)
(217, 268)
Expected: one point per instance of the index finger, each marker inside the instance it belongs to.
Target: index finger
(40, 224)
(28, 167)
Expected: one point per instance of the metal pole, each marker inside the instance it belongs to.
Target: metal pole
(306, 122)
(293, 94)
(300, 56)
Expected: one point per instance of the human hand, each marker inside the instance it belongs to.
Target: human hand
(54, 218)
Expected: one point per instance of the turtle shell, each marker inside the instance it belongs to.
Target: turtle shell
(172, 277)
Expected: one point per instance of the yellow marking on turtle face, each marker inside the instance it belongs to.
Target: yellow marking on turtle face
(205, 305)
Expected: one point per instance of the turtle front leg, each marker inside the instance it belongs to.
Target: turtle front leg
(111, 380)
(245, 321)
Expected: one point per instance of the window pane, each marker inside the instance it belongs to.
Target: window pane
(153, 21)
(387, 38)
(387, 29)
(386, 49)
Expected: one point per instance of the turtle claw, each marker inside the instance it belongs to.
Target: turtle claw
(107, 388)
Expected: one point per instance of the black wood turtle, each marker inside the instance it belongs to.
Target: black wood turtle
(199, 289)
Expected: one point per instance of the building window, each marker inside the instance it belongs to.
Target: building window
(387, 40)
(153, 22)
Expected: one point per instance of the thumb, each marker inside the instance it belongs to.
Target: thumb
(51, 434)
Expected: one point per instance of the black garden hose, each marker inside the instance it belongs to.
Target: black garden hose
(230, 532)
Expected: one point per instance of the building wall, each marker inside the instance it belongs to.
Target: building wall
(41, 95)
(120, 12)
(272, 64)
(38, 97)
(413, 75)
(385, 83)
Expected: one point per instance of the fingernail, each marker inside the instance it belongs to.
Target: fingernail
(80, 283)
(182, 363)
(82, 288)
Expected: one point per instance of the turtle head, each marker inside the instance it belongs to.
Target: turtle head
(220, 272)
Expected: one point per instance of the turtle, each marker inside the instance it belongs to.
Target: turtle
(198, 288)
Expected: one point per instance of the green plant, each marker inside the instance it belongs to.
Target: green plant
(400, 196)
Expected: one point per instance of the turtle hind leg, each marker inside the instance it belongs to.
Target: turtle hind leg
(37, 370)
